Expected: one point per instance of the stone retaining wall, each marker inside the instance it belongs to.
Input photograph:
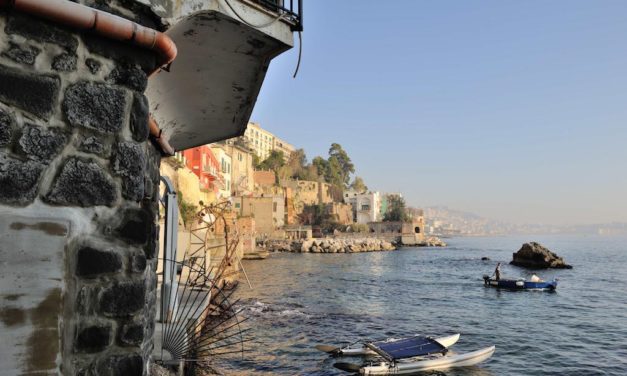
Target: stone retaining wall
(74, 153)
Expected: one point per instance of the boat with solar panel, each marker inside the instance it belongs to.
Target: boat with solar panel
(409, 355)
(363, 350)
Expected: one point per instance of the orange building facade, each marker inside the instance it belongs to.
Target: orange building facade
(205, 165)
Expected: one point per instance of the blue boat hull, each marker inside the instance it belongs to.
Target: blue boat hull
(520, 284)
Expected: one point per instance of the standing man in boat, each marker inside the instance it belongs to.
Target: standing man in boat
(497, 272)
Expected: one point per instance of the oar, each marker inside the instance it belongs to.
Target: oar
(328, 349)
(348, 367)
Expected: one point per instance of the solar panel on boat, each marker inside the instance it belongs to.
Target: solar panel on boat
(408, 347)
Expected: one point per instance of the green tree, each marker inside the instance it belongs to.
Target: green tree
(334, 173)
(297, 164)
(256, 162)
(397, 209)
(321, 166)
(346, 166)
(274, 161)
(358, 185)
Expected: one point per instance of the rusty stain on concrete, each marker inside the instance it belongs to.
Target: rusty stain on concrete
(12, 316)
(43, 343)
(13, 297)
(50, 228)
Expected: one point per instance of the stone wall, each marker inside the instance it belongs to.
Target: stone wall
(264, 178)
(79, 179)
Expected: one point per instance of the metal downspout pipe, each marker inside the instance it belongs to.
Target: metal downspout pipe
(84, 18)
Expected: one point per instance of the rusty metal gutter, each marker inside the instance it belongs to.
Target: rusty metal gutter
(84, 18)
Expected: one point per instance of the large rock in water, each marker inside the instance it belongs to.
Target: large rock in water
(534, 255)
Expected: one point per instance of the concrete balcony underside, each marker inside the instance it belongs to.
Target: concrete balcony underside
(212, 86)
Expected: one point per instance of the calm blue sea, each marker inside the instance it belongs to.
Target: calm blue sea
(300, 300)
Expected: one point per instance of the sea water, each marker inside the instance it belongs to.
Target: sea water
(301, 300)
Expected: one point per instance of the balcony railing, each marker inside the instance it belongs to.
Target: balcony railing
(291, 10)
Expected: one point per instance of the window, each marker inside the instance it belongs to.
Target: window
(237, 206)
(239, 157)
(365, 207)
(274, 207)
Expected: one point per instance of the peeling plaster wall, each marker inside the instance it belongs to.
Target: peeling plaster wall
(78, 200)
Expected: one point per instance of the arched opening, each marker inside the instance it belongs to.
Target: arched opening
(417, 230)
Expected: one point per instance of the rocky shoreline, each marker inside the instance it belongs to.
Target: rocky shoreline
(339, 245)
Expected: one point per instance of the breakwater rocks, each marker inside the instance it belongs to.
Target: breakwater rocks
(534, 255)
(330, 245)
(433, 241)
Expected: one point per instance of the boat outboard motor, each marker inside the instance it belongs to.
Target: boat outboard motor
(486, 279)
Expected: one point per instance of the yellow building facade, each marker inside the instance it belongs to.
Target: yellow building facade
(263, 142)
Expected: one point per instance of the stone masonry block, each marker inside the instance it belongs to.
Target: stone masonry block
(34, 93)
(129, 161)
(123, 299)
(41, 144)
(138, 263)
(135, 226)
(133, 188)
(22, 54)
(95, 106)
(91, 262)
(130, 76)
(131, 334)
(139, 118)
(82, 183)
(7, 125)
(152, 246)
(19, 181)
(93, 339)
(121, 365)
(40, 31)
(65, 62)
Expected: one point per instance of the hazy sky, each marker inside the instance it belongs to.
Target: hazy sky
(514, 110)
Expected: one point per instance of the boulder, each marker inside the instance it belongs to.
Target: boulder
(534, 255)
(306, 246)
